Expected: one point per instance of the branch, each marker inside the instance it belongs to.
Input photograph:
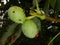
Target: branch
(48, 18)
(52, 19)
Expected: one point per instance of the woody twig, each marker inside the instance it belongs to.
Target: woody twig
(48, 18)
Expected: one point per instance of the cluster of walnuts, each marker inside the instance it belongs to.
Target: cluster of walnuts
(17, 15)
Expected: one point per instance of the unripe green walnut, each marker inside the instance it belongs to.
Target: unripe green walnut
(16, 14)
(29, 29)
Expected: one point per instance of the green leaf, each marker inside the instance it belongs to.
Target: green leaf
(57, 6)
(52, 3)
(51, 41)
(46, 7)
(17, 34)
(34, 3)
(9, 32)
(38, 23)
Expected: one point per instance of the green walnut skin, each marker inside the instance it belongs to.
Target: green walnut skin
(16, 14)
(29, 29)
